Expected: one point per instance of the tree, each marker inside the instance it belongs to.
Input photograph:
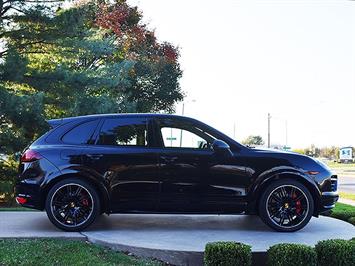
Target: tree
(253, 140)
(94, 57)
(300, 151)
(329, 152)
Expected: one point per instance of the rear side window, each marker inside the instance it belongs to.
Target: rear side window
(124, 132)
(80, 134)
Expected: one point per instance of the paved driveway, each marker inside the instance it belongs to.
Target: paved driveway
(178, 239)
(29, 224)
(164, 230)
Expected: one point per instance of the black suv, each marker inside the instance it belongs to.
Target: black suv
(155, 163)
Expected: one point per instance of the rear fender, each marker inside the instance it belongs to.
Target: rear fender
(97, 181)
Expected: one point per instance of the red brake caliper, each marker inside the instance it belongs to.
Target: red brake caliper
(298, 207)
(298, 204)
(85, 202)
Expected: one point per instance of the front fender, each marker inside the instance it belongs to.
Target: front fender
(265, 178)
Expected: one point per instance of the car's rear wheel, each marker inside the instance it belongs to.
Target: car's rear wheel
(72, 204)
(286, 205)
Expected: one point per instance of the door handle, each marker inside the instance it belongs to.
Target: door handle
(94, 156)
(168, 159)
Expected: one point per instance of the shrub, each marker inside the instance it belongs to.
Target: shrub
(227, 253)
(291, 255)
(343, 212)
(336, 252)
(343, 215)
(352, 220)
(8, 173)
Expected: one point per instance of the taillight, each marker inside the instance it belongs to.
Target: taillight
(30, 156)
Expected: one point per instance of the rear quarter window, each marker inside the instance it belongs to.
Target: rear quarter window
(80, 134)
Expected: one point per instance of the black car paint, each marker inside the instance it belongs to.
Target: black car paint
(155, 179)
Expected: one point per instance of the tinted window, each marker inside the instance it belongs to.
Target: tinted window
(80, 134)
(123, 132)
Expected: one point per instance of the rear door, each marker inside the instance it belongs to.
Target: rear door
(124, 157)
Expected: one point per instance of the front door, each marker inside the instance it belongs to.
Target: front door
(193, 177)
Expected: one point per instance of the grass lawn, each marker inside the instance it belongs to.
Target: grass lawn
(62, 252)
(345, 195)
(343, 212)
(332, 164)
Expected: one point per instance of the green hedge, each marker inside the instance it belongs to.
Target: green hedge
(343, 212)
(344, 215)
(291, 255)
(352, 220)
(336, 252)
(333, 252)
(227, 253)
(6, 193)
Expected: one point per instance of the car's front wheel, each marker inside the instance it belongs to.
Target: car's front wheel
(286, 205)
(72, 204)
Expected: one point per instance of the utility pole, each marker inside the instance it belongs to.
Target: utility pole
(268, 129)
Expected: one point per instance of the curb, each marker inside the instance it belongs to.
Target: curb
(174, 257)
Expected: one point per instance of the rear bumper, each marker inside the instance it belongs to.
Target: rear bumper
(328, 200)
(30, 182)
(31, 192)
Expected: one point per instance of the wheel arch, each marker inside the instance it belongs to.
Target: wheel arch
(265, 182)
(100, 188)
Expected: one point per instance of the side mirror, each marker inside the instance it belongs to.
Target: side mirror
(220, 147)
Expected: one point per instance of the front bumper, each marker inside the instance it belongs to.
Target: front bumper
(328, 200)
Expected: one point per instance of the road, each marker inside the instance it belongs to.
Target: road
(346, 183)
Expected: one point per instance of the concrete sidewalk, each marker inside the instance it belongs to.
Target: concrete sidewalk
(177, 239)
(347, 201)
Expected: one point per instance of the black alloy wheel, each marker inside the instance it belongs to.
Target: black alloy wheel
(72, 205)
(286, 205)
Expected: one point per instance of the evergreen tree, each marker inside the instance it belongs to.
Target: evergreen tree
(93, 57)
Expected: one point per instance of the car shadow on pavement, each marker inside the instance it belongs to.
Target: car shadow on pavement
(178, 222)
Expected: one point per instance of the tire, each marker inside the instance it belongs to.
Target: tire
(72, 204)
(286, 200)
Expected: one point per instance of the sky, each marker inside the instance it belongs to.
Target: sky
(245, 59)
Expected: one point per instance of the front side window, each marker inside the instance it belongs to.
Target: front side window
(123, 132)
(80, 134)
(183, 138)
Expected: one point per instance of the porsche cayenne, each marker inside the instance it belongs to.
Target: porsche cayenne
(156, 163)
